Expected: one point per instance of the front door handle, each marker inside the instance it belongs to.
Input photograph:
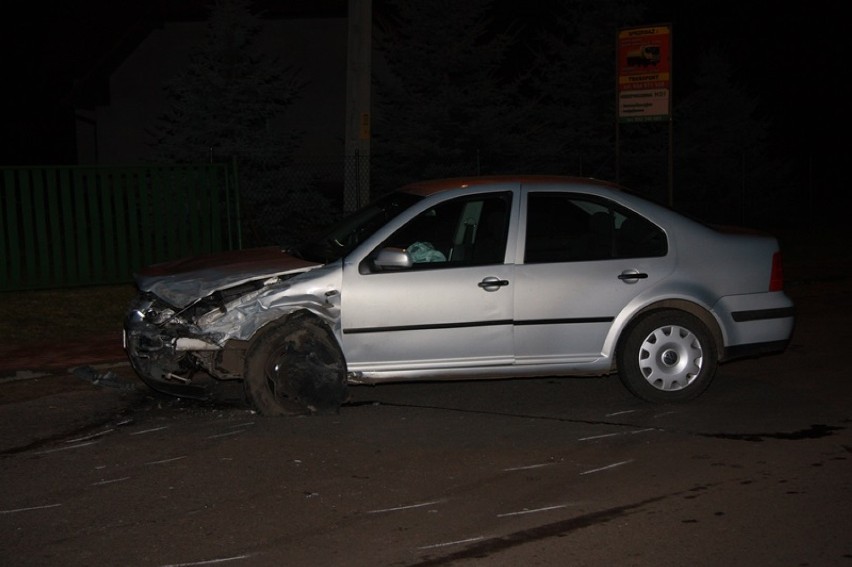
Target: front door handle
(492, 284)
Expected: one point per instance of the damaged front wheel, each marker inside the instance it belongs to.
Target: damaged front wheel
(295, 367)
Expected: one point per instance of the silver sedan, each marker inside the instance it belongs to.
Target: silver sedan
(470, 278)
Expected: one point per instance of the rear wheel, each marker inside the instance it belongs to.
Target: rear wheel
(667, 356)
(295, 367)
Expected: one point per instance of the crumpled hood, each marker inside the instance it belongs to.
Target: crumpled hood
(181, 282)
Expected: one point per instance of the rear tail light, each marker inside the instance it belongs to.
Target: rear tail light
(776, 279)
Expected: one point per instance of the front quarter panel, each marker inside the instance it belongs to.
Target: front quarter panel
(317, 291)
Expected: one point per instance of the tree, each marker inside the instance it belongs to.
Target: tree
(722, 165)
(571, 84)
(225, 106)
(442, 106)
(225, 101)
(486, 91)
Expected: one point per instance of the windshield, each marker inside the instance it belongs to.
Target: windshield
(337, 241)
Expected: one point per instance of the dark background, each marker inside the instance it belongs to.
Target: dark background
(57, 54)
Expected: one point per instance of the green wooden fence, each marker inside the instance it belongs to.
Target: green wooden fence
(79, 225)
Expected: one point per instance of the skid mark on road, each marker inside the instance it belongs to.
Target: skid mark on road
(620, 433)
(110, 481)
(449, 543)
(211, 561)
(536, 511)
(607, 467)
(17, 510)
(483, 547)
(408, 507)
(505, 414)
(529, 467)
(152, 430)
(77, 446)
(173, 459)
(816, 431)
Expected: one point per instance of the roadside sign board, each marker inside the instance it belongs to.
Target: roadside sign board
(644, 74)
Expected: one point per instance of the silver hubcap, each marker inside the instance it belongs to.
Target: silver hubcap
(670, 358)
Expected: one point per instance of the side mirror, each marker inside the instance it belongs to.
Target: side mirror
(392, 258)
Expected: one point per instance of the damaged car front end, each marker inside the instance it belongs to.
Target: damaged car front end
(194, 319)
(247, 315)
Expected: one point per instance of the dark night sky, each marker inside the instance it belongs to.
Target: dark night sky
(791, 58)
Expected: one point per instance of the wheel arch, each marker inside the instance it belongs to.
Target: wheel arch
(232, 357)
(300, 314)
(701, 313)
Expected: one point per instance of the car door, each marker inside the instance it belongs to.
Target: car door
(450, 308)
(584, 260)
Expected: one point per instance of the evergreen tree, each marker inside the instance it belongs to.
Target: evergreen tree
(571, 85)
(442, 106)
(483, 92)
(224, 102)
(224, 106)
(722, 168)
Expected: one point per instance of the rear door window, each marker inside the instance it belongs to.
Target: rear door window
(567, 227)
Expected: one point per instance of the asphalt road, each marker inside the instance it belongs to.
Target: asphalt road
(758, 471)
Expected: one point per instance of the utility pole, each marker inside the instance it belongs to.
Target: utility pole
(358, 75)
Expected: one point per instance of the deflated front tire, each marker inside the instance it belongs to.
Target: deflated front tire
(295, 367)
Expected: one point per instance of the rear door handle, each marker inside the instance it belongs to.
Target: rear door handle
(631, 276)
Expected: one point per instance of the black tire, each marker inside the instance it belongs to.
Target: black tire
(295, 367)
(667, 356)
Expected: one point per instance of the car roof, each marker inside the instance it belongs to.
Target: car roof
(431, 187)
